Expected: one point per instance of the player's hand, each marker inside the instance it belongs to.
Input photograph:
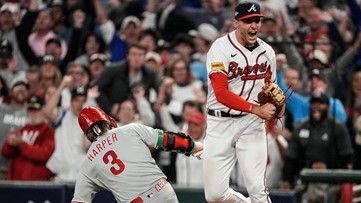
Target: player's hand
(198, 153)
(265, 111)
(79, 18)
(14, 139)
(138, 92)
(67, 81)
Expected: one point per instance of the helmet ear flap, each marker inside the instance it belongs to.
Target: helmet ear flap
(112, 122)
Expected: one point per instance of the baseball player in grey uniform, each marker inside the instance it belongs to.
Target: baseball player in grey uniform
(119, 159)
(238, 65)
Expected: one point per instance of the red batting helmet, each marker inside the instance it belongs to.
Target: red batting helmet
(90, 115)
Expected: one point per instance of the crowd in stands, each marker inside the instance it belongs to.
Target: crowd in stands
(144, 61)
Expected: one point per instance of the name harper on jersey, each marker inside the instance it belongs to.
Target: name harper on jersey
(109, 140)
(260, 71)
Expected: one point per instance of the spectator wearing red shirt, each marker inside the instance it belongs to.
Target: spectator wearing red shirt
(30, 147)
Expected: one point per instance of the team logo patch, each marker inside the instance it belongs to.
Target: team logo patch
(253, 8)
(217, 66)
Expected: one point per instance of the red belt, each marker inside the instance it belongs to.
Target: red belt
(137, 200)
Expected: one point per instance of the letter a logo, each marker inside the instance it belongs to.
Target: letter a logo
(253, 8)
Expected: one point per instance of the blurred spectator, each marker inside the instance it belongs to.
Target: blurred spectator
(70, 143)
(59, 16)
(30, 147)
(183, 46)
(12, 116)
(53, 45)
(80, 76)
(9, 12)
(163, 18)
(137, 110)
(178, 87)
(335, 68)
(153, 61)
(118, 80)
(97, 64)
(9, 63)
(298, 105)
(73, 6)
(320, 142)
(189, 170)
(149, 39)
(33, 77)
(118, 10)
(203, 38)
(318, 23)
(215, 13)
(92, 43)
(50, 74)
(117, 40)
(274, 31)
(42, 31)
(353, 109)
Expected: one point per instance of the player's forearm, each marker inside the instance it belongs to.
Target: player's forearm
(176, 142)
(224, 96)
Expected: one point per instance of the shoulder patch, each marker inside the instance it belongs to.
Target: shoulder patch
(217, 66)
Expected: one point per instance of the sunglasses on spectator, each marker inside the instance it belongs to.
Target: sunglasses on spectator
(251, 20)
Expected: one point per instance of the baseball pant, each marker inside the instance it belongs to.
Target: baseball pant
(229, 139)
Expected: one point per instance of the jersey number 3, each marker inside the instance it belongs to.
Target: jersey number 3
(117, 164)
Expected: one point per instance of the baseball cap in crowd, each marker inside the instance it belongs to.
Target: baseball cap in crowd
(11, 7)
(48, 58)
(78, 91)
(319, 97)
(6, 49)
(358, 130)
(319, 56)
(317, 73)
(196, 117)
(56, 41)
(35, 103)
(205, 31)
(246, 10)
(151, 55)
(98, 56)
(269, 16)
(20, 83)
(130, 19)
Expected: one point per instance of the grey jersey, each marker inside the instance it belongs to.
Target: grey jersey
(119, 161)
(11, 118)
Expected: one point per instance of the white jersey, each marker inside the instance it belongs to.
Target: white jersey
(119, 161)
(246, 70)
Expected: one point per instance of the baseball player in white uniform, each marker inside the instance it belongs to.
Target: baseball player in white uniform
(119, 160)
(238, 65)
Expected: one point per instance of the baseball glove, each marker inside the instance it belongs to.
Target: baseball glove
(272, 93)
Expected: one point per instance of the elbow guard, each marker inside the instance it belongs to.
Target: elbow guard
(175, 142)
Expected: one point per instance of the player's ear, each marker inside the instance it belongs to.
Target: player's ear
(235, 23)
